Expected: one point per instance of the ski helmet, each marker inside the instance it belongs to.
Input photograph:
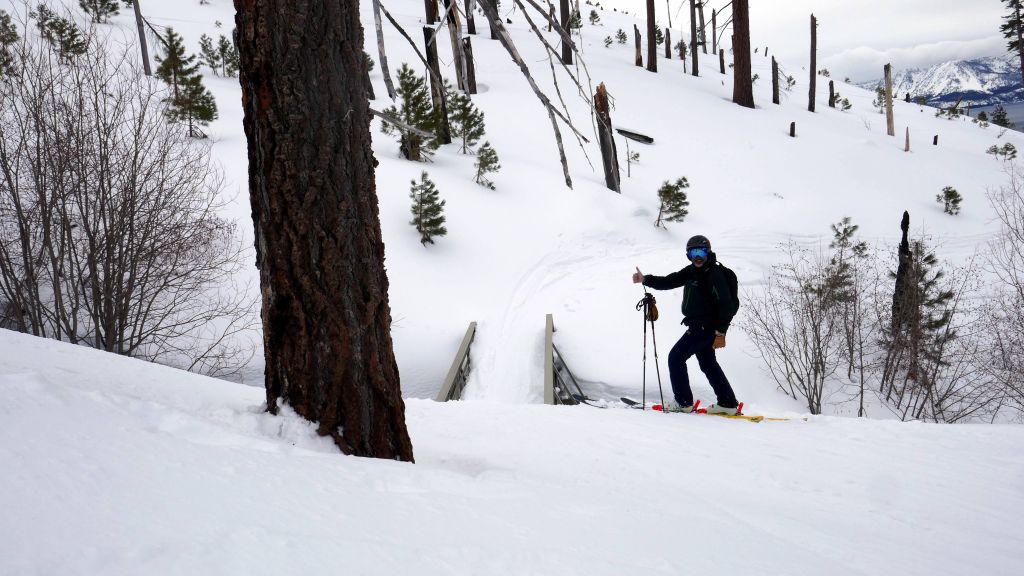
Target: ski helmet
(698, 242)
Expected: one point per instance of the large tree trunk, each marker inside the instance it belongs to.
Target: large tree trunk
(470, 19)
(742, 82)
(606, 138)
(668, 43)
(1020, 37)
(652, 43)
(693, 38)
(429, 6)
(454, 31)
(639, 61)
(437, 95)
(566, 14)
(814, 63)
(714, 32)
(326, 317)
(467, 48)
(703, 28)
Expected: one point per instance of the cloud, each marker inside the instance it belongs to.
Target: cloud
(865, 63)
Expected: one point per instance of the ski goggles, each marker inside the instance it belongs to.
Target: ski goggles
(694, 253)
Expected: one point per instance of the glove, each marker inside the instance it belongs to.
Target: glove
(719, 341)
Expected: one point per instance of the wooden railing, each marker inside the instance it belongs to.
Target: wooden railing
(455, 381)
(560, 386)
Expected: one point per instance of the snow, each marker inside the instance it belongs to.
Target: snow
(113, 466)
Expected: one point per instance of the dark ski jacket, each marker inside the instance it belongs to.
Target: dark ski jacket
(707, 300)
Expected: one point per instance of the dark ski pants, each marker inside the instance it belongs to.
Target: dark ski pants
(698, 342)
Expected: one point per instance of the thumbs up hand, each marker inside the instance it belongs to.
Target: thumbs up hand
(638, 277)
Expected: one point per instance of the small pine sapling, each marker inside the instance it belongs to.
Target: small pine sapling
(427, 210)
(100, 11)
(8, 38)
(659, 35)
(681, 50)
(608, 41)
(1007, 151)
(465, 120)
(620, 36)
(595, 18)
(674, 204)
(982, 119)
(229, 57)
(209, 54)
(950, 200)
(845, 104)
(879, 101)
(486, 163)
(1000, 117)
(576, 20)
(415, 110)
(790, 83)
(189, 101)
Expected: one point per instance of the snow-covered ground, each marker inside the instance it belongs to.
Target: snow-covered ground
(113, 466)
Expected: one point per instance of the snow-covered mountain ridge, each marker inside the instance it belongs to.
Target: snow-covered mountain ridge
(980, 82)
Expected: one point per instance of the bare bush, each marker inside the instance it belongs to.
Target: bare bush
(109, 232)
(796, 327)
(1006, 261)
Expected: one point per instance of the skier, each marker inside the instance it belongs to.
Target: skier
(708, 306)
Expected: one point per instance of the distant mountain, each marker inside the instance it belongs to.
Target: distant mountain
(981, 82)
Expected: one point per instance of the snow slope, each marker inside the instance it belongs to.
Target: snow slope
(113, 466)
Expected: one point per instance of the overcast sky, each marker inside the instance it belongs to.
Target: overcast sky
(857, 38)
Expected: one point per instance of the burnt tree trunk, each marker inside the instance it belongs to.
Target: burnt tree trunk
(890, 124)
(326, 317)
(566, 15)
(606, 138)
(437, 96)
(721, 60)
(714, 32)
(743, 83)
(467, 47)
(703, 28)
(652, 43)
(831, 93)
(454, 29)
(693, 38)
(792, 129)
(470, 20)
(430, 7)
(775, 81)
(668, 43)
(814, 63)
(639, 52)
(142, 38)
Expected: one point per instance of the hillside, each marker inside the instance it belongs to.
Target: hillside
(979, 82)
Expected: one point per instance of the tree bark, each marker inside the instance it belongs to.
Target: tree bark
(142, 39)
(470, 20)
(906, 147)
(721, 60)
(792, 129)
(775, 81)
(430, 7)
(652, 44)
(890, 122)
(1020, 37)
(693, 39)
(454, 29)
(326, 317)
(831, 94)
(714, 32)
(639, 52)
(467, 48)
(743, 83)
(566, 14)
(814, 63)
(606, 138)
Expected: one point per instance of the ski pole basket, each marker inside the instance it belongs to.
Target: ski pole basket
(455, 381)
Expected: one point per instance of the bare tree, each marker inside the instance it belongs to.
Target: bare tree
(110, 233)
(812, 89)
(326, 317)
(1006, 261)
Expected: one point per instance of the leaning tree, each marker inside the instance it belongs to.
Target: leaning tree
(326, 317)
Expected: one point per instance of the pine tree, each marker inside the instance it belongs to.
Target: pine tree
(1013, 30)
(8, 37)
(228, 57)
(620, 36)
(427, 210)
(1000, 117)
(100, 10)
(62, 33)
(595, 18)
(674, 204)
(465, 120)
(209, 54)
(486, 163)
(416, 111)
(950, 200)
(608, 41)
(659, 36)
(190, 101)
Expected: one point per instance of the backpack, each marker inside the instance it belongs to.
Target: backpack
(734, 286)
